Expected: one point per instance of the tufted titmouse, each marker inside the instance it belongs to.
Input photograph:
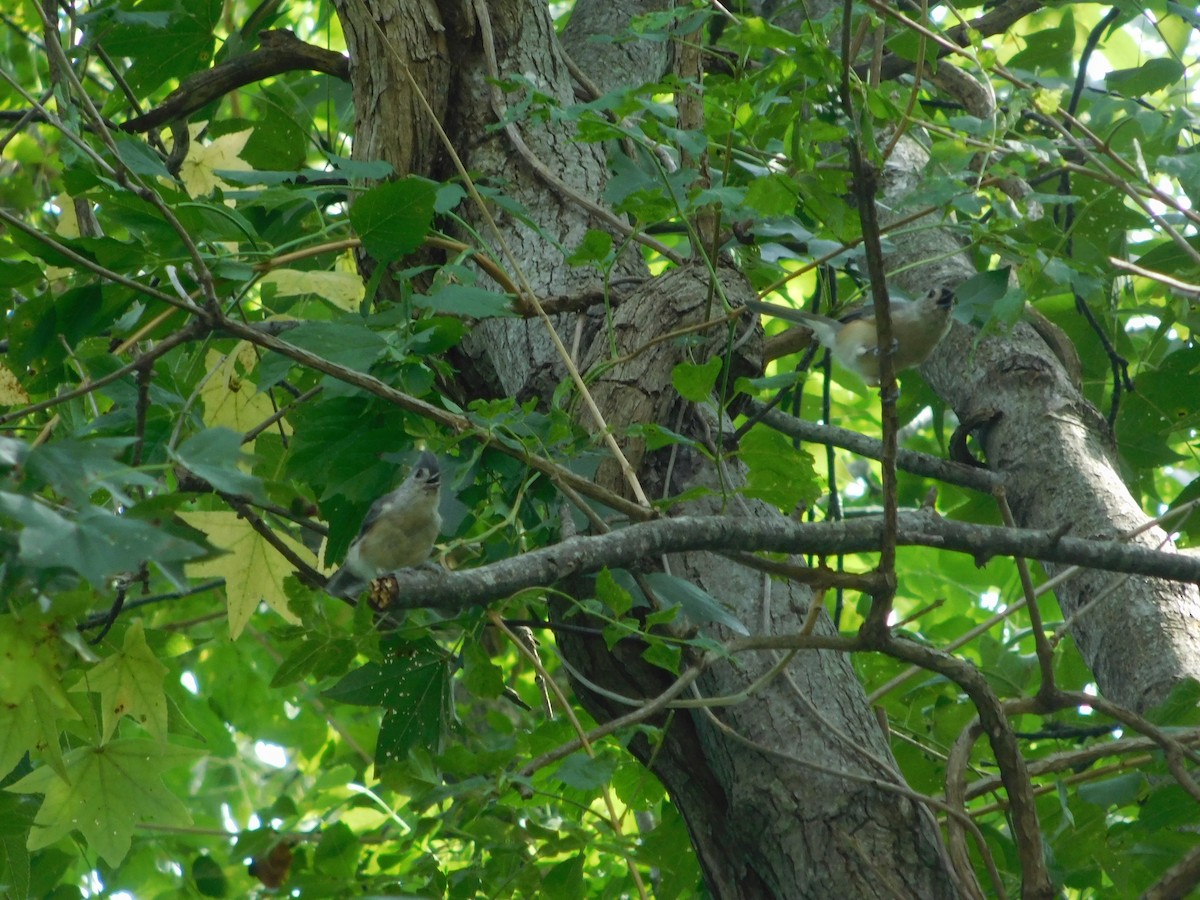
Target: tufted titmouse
(399, 531)
(917, 327)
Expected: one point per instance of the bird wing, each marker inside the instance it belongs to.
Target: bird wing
(373, 513)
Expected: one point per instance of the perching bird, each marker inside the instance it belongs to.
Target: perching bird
(917, 327)
(399, 531)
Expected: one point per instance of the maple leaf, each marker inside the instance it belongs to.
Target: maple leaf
(130, 683)
(109, 790)
(31, 656)
(32, 726)
(199, 168)
(253, 570)
(230, 399)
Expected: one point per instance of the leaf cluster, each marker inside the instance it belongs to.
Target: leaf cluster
(203, 478)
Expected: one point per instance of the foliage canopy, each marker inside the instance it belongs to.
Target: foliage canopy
(206, 462)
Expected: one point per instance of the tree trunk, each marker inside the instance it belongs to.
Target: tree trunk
(1058, 458)
(760, 784)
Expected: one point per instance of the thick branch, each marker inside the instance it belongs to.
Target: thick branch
(626, 547)
(1013, 772)
(281, 51)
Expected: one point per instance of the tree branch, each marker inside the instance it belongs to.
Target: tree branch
(872, 448)
(1013, 771)
(281, 51)
(628, 546)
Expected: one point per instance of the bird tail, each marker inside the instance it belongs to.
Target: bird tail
(823, 328)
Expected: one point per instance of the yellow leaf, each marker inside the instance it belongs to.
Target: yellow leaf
(253, 570)
(1047, 102)
(230, 399)
(343, 289)
(68, 221)
(11, 392)
(203, 160)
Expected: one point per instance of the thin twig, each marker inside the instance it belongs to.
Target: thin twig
(865, 184)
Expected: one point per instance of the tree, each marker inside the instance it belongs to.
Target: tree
(253, 270)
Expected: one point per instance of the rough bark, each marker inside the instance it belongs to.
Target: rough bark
(787, 827)
(392, 123)
(1058, 460)
(1139, 636)
(764, 820)
(610, 66)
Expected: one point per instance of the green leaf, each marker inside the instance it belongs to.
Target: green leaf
(565, 879)
(1171, 257)
(279, 138)
(585, 773)
(209, 877)
(669, 850)
(664, 655)
(1049, 48)
(97, 544)
(778, 473)
(165, 41)
(130, 683)
(772, 195)
(393, 219)
(466, 300)
(346, 342)
(338, 851)
(215, 455)
(481, 676)
(1166, 405)
(698, 605)
(1119, 790)
(696, 382)
(16, 819)
(137, 155)
(31, 722)
(299, 663)
(596, 247)
(418, 718)
(976, 297)
(1168, 808)
(611, 594)
(77, 469)
(448, 197)
(18, 274)
(636, 787)
(110, 789)
(1152, 75)
(657, 437)
(415, 692)
(32, 328)
(1181, 708)
(356, 169)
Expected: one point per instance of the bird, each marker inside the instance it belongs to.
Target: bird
(917, 327)
(398, 531)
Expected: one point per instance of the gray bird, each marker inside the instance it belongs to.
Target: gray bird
(399, 531)
(917, 327)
